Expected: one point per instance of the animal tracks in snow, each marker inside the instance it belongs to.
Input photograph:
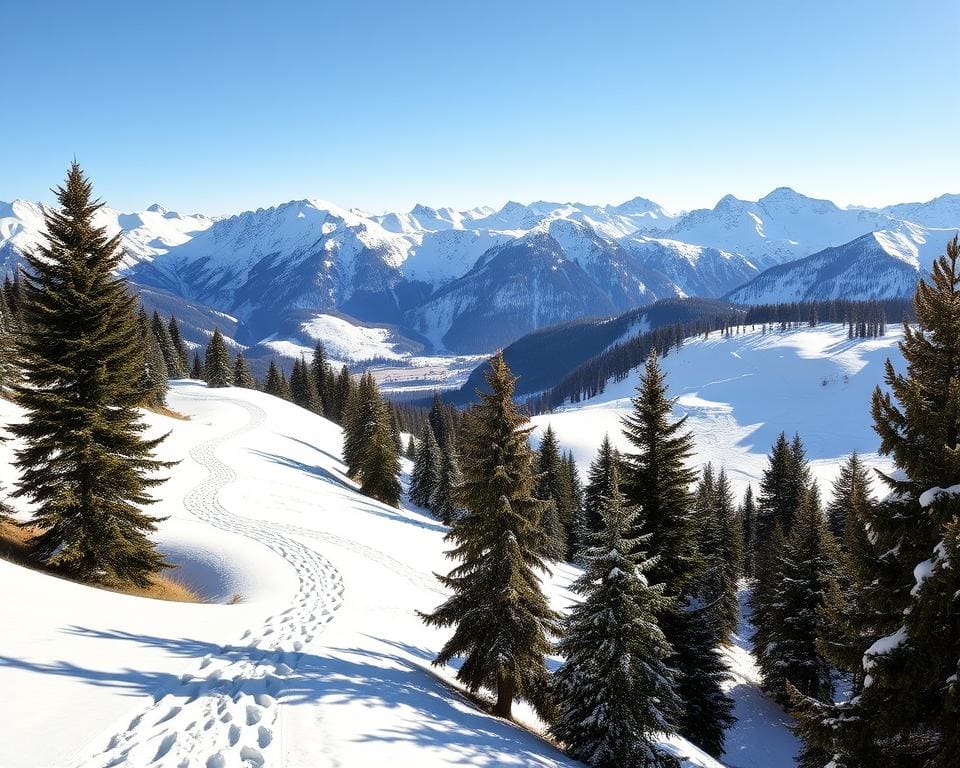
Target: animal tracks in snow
(224, 713)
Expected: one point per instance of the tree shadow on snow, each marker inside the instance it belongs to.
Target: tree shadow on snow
(432, 715)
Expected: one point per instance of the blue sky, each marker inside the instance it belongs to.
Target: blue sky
(220, 107)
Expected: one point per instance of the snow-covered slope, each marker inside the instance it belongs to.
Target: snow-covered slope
(740, 393)
(323, 662)
(879, 265)
(778, 227)
(145, 234)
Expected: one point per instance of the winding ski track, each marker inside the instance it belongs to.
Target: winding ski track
(223, 712)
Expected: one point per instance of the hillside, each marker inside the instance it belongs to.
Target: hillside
(322, 662)
(738, 393)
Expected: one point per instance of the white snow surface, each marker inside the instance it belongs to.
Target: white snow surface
(739, 393)
(323, 662)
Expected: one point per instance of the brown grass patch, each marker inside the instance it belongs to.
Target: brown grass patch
(15, 547)
(164, 411)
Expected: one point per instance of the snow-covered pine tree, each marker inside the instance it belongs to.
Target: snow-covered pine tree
(728, 566)
(501, 619)
(598, 478)
(614, 692)
(196, 370)
(908, 711)
(411, 452)
(154, 375)
(658, 480)
(242, 377)
(574, 489)
(320, 371)
(178, 344)
(807, 572)
(84, 462)
(549, 465)
(444, 503)
(170, 356)
(217, 367)
(850, 498)
(427, 469)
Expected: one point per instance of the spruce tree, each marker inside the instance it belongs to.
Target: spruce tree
(411, 452)
(360, 422)
(196, 370)
(7, 365)
(320, 371)
(242, 377)
(380, 464)
(84, 463)
(748, 524)
(598, 479)
(171, 358)
(273, 385)
(444, 503)
(908, 711)
(720, 544)
(550, 488)
(851, 496)
(501, 619)
(153, 376)
(614, 691)
(303, 388)
(217, 368)
(173, 328)
(657, 480)
(441, 421)
(342, 393)
(573, 487)
(427, 469)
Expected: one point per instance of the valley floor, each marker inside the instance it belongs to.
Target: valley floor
(323, 662)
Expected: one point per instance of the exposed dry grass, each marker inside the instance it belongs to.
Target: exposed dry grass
(164, 411)
(15, 547)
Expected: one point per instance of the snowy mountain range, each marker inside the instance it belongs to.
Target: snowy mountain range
(469, 281)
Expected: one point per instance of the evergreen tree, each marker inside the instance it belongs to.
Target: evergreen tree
(748, 524)
(720, 542)
(217, 368)
(550, 489)
(242, 377)
(908, 711)
(84, 462)
(427, 469)
(441, 421)
(196, 370)
(320, 371)
(411, 452)
(154, 374)
(444, 502)
(851, 496)
(342, 392)
(7, 365)
(598, 479)
(380, 464)
(806, 573)
(274, 384)
(573, 488)
(657, 480)
(303, 388)
(171, 358)
(359, 424)
(614, 690)
(500, 616)
(173, 328)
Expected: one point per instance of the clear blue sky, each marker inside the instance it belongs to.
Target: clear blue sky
(226, 106)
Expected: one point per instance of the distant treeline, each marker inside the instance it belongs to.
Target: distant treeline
(862, 318)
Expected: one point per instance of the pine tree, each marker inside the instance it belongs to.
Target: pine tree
(7, 365)
(173, 328)
(320, 371)
(748, 524)
(550, 489)
(908, 711)
(274, 384)
(444, 503)
(411, 452)
(657, 481)
(242, 377)
(196, 370)
(342, 394)
(171, 358)
(217, 368)
(427, 469)
(598, 479)
(614, 690)
(84, 462)
(303, 388)
(500, 616)
(154, 374)
(380, 465)
(573, 488)
(807, 570)
(720, 543)
(359, 424)
(441, 422)
(851, 496)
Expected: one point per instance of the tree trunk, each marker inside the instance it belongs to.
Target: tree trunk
(505, 690)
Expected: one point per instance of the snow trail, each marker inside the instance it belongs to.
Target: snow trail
(224, 711)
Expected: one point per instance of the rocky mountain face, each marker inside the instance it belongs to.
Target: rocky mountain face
(468, 281)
